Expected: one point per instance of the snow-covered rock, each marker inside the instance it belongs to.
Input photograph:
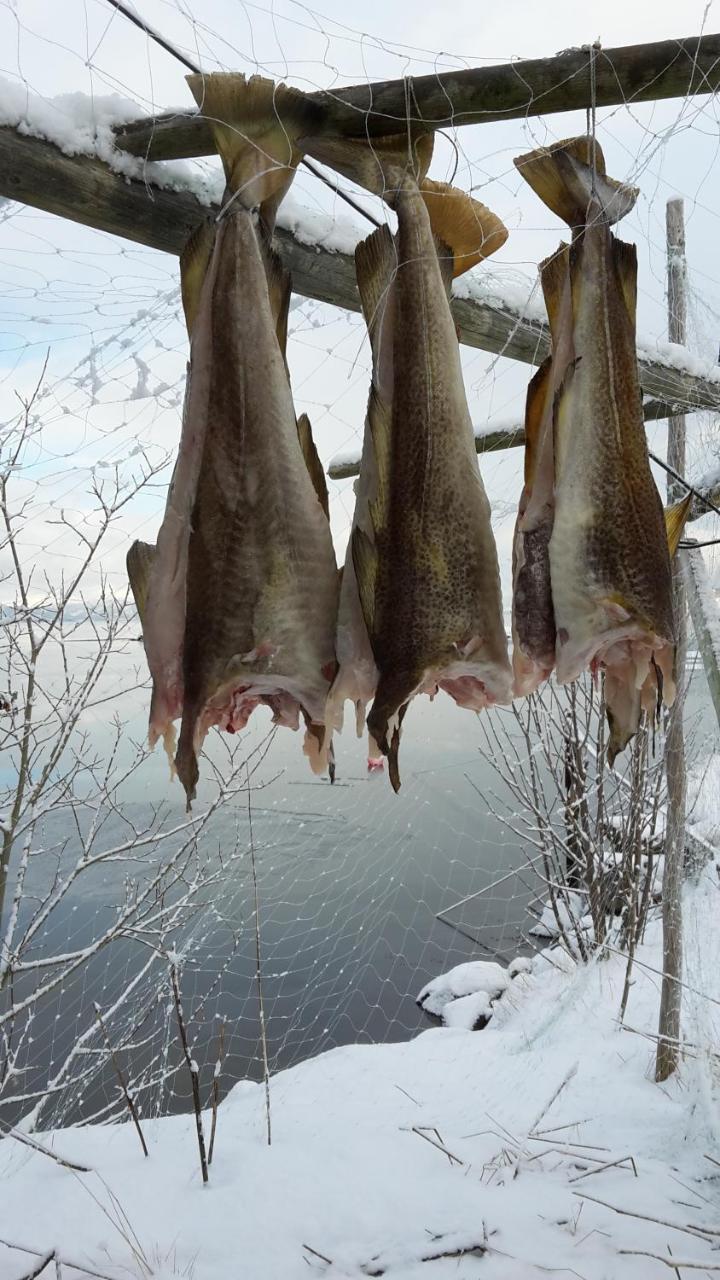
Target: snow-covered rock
(472, 1013)
(464, 980)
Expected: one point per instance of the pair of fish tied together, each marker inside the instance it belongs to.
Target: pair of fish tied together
(592, 583)
(238, 600)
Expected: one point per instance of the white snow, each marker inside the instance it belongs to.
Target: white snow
(82, 125)
(571, 914)
(501, 1143)
(464, 980)
(467, 1011)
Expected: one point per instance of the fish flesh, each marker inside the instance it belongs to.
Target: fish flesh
(608, 554)
(420, 606)
(242, 598)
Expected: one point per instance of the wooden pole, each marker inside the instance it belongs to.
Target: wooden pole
(479, 95)
(668, 1049)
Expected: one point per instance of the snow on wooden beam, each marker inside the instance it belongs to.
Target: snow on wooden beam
(509, 91)
(84, 189)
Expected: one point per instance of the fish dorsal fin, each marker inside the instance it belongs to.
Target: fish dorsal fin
(469, 229)
(562, 176)
(139, 562)
(256, 125)
(625, 260)
(375, 267)
(536, 406)
(675, 519)
(312, 462)
(555, 280)
(194, 262)
(365, 564)
(379, 165)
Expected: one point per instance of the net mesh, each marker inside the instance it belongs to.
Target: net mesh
(363, 896)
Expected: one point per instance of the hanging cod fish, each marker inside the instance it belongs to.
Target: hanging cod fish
(420, 605)
(600, 538)
(242, 595)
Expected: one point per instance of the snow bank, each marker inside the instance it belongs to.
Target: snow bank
(452, 1156)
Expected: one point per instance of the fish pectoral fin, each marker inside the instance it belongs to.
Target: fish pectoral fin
(555, 281)
(375, 266)
(624, 257)
(562, 176)
(536, 407)
(365, 564)
(194, 262)
(312, 462)
(468, 228)
(379, 164)
(675, 518)
(256, 125)
(279, 291)
(139, 562)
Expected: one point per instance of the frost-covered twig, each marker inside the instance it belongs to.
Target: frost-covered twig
(216, 1089)
(122, 1081)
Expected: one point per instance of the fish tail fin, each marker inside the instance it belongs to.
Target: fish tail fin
(675, 518)
(139, 562)
(570, 178)
(194, 263)
(256, 124)
(465, 226)
(538, 410)
(312, 462)
(380, 165)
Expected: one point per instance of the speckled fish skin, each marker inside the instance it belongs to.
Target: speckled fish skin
(609, 558)
(242, 596)
(262, 578)
(428, 576)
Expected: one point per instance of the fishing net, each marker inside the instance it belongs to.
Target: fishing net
(362, 895)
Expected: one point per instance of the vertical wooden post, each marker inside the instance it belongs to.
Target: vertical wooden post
(668, 1050)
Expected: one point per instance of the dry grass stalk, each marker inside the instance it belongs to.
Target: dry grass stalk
(216, 1090)
(194, 1073)
(121, 1078)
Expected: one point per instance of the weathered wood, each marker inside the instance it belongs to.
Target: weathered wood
(84, 189)
(668, 1046)
(705, 618)
(511, 91)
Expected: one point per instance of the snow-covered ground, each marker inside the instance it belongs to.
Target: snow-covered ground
(539, 1146)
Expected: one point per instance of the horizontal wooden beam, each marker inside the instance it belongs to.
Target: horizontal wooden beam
(85, 190)
(510, 91)
(509, 437)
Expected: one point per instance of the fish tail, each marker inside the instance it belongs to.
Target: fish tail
(139, 562)
(375, 266)
(467, 228)
(256, 124)
(675, 519)
(380, 165)
(570, 178)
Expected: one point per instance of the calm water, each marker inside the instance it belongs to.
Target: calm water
(351, 879)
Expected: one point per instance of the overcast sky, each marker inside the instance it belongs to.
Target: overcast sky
(108, 311)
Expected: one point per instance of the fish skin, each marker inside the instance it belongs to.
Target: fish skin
(427, 570)
(609, 558)
(261, 572)
(533, 617)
